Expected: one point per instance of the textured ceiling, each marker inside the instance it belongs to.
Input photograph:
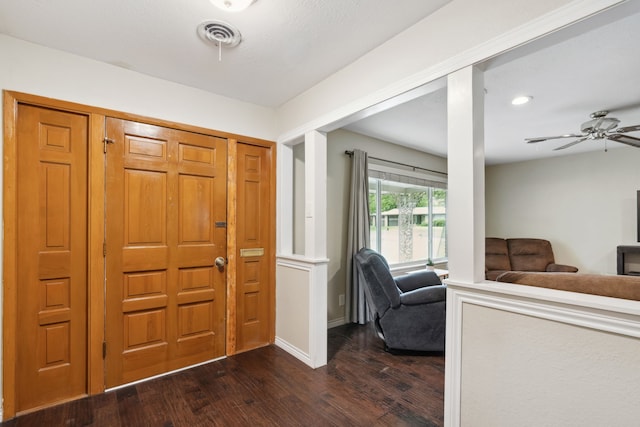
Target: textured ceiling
(590, 66)
(288, 45)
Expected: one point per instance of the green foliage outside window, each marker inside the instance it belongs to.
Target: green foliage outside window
(390, 201)
(439, 222)
(425, 237)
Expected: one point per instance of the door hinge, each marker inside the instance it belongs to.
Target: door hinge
(106, 141)
(104, 349)
(104, 249)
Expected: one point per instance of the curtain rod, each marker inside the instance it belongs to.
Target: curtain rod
(350, 153)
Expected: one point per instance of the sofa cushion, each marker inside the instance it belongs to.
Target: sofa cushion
(496, 254)
(561, 268)
(529, 254)
(493, 274)
(627, 287)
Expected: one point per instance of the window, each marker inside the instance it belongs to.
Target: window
(408, 217)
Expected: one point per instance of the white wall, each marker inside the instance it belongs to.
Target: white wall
(338, 179)
(529, 356)
(585, 204)
(295, 300)
(37, 70)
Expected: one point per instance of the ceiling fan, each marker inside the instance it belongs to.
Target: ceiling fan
(599, 127)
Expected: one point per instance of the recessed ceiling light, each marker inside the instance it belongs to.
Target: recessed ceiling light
(519, 100)
(232, 5)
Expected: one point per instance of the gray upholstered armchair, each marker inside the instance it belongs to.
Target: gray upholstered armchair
(408, 311)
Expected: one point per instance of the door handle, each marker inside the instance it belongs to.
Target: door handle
(220, 262)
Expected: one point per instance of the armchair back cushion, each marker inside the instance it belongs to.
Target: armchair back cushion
(374, 269)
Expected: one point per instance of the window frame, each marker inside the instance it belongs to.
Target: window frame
(380, 175)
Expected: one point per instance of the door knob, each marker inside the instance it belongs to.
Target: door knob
(220, 262)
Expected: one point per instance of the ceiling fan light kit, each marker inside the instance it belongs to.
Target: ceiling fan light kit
(599, 122)
(599, 127)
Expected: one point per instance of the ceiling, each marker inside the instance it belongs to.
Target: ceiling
(287, 45)
(593, 65)
(290, 45)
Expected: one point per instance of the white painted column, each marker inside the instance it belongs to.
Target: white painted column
(465, 212)
(284, 214)
(465, 204)
(315, 149)
(315, 189)
(301, 289)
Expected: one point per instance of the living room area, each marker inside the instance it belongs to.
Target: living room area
(582, 198)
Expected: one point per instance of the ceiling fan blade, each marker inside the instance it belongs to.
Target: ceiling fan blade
(617, 109)
(628, 129)
(625, 139)
(572, 143)
(545, 138)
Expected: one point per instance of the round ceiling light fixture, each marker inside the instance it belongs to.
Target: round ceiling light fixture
(232, 5)
(520, 100)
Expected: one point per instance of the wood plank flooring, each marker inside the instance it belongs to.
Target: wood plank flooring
(362, 385)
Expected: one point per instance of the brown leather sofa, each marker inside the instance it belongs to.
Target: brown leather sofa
(626, 287)
(520, 255)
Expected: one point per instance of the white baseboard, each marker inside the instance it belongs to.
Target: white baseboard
(336, 322)
(294, 351)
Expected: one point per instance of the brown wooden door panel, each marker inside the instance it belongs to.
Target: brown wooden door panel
(254, 292)
(52, 256)
(165, 299)
(165, 293)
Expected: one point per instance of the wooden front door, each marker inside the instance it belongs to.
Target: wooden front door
(165, 227)
(51, 328)
(255, 290)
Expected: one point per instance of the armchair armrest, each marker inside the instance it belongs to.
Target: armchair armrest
(555, 268)
(417, 280)
(424, 295)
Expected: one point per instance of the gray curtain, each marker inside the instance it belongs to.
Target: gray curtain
(357, 237)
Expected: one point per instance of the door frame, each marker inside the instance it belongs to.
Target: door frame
(96, 238)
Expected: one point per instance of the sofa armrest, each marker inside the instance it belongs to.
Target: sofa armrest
(561, 268)
(493, 274)
(417, 280)
(424, 295)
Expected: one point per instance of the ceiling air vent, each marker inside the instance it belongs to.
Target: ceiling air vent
(220, 33)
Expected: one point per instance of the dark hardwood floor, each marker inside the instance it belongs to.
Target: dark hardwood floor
(361, 385)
